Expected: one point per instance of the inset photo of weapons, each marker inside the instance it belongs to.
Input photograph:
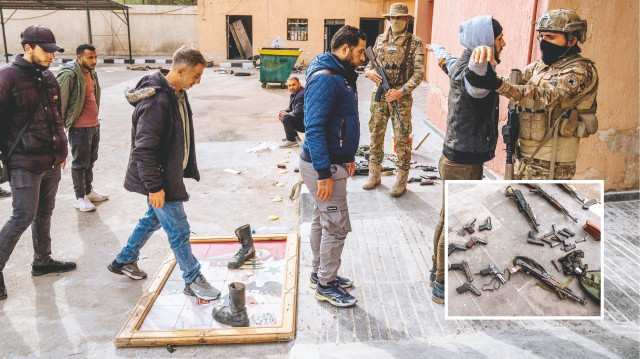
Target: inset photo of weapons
(500, 234)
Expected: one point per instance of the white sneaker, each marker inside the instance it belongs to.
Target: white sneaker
(84, 205)
(97, 197)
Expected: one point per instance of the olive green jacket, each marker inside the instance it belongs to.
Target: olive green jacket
(73, 90)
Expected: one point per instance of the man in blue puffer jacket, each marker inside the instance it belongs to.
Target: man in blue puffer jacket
(332, 134)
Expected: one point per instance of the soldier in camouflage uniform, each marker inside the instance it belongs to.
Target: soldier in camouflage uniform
(401, 54)
(556, 99)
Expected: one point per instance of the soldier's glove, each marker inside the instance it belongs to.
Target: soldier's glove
(489, 81)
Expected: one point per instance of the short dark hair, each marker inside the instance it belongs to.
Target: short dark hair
(187, 55)
(293, 78)
(80, 49)
(347, 34)
(31, 44)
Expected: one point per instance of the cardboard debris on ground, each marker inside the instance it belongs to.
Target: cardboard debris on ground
(232, 171)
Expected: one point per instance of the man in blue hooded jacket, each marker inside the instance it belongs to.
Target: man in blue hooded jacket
(472, 121)
(328, 154)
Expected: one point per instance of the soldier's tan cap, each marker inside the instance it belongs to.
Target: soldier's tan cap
(398, 10)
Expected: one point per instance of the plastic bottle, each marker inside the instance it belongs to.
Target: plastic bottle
(264, 230)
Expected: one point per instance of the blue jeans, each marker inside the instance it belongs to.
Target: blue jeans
(172, 218)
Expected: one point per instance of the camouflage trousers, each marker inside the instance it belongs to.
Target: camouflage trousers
(380, 113)
(539, 170)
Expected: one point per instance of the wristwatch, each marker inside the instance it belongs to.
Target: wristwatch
(404, 92)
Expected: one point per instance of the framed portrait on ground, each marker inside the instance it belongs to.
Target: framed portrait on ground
(165, 315)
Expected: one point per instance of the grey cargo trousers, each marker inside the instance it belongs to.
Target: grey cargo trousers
(330, 223)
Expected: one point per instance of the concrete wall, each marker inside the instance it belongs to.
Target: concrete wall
(270, 20)
(611, 154)
(155, 30)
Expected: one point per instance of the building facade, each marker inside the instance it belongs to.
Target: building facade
(612, 43)
(308, 25)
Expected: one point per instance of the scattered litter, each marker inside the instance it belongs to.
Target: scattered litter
(387, 173)
(233, 172)
(280, 184)
(287, 151)
(285, 161)
(296, 170)
(274, 218)
(276, 199)
(242, 74)
(283, 171)
(221, 71)
(282, 166)
(263, 146)
(171, 348)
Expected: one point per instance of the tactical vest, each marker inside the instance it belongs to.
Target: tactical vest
(393, 57)
(535, 124)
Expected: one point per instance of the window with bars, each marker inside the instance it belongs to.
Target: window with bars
(297, 29)
(158, 2)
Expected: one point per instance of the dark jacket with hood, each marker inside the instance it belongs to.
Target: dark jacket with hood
(332, 125)
(157, 141)
(31, 91)
(296, 103)
(472, 121)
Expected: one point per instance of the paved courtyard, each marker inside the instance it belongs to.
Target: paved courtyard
(388, 254)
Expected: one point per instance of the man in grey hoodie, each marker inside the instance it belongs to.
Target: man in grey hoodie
(472, 121)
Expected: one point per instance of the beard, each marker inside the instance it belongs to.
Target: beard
(352, 60)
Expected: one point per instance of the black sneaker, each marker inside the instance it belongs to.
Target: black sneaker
(130, 270)
(344, 282)
(4, 193)
(334, 295)
(3, 289)
(52, 266)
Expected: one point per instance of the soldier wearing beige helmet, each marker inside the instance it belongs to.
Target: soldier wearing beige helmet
(555, 99)
(401, 54)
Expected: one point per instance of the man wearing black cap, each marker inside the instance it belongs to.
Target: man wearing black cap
(34, 148)
(472, 121)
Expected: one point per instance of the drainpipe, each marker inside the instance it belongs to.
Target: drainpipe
(533, 28)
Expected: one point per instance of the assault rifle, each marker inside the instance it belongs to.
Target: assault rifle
(535, 188)
(517, 196)
(572, 191)
(511, 130)
(384, 85)
(464, 266)
(547, 282)
(362, 168)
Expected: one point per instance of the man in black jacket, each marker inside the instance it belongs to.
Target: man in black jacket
(472, 121)
(162, 154)
(293, 117)
(30, 123)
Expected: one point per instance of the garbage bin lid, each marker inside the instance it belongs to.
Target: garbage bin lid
(282, 51)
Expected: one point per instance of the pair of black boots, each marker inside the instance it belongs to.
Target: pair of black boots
(235, 314)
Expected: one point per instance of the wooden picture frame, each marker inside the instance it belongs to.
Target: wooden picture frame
(131, 336)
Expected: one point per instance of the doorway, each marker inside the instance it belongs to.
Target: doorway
(372, 27)
(233, 53)
(331, 26)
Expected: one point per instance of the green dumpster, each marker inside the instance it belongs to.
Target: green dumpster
(276, 64)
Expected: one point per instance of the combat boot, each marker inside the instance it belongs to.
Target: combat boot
(234, 314)
(374, 176)
(247, 251)
(401, 183)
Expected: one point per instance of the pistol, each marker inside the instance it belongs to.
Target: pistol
(456, 247)
(493, 270)
(468, 287)
(464, 265)
(469, 226)
(475, 240)
(486, 225)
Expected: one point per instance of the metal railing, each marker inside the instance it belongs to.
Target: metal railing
(158, 2)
